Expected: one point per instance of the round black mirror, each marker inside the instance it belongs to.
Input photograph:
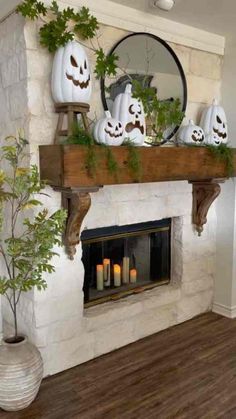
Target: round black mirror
(149, 60)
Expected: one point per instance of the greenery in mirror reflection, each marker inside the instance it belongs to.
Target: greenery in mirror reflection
(162, 114)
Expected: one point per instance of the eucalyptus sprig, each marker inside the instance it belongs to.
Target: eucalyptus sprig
(62, 26)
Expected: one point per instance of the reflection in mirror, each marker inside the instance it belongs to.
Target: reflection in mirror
(147, 61)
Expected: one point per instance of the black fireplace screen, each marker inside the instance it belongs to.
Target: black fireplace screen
(122, 260)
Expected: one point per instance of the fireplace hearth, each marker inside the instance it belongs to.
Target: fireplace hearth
(122, 260)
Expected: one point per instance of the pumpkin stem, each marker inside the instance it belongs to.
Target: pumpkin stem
(108, 114)
(128, 88)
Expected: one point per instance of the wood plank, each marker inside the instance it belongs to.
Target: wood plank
(187, 371)
(158, 164)
(51, 164)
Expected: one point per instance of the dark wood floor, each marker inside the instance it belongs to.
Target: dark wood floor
(188, 371)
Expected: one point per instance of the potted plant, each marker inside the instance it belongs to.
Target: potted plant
(26, 249)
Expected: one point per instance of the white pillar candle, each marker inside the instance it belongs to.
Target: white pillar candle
(125, 271)
(99, 277)
(107, 272)
(133, 276)
(117, 276)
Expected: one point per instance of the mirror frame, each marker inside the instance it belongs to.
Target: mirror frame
(177, 61)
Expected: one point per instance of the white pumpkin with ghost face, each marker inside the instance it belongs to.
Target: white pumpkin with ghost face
(109, 130)
(214, 123)
(71, 78)
(191, 134)
(129, 111)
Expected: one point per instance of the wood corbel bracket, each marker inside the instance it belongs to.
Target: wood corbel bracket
(204, 194)
(77, 203)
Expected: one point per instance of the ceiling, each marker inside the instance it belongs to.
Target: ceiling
(217, 16)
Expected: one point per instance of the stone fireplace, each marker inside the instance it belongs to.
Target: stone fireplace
(66, 332)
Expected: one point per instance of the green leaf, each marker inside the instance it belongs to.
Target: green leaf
(105, 64)
(86, 24)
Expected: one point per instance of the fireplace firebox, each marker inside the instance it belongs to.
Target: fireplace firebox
(122, 260)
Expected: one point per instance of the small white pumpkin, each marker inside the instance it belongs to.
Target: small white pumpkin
(71, 78)
(214, 123)
(109, 130)
(129, 111)
(191, 134)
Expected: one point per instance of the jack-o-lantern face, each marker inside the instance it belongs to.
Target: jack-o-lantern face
(220, 130)
(198, 135)
(71, 79)
(82, 77)
(135, 110)
(114, 129)
(129, 111)
(191, 134)
(214, 123)
(109, 131)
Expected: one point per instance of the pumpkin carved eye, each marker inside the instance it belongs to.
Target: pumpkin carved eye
(218, 119)
(131, 110)
(85, 65)
(73, 61)
(109, 124)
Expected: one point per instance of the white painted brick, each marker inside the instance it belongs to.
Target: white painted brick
(114, 336)
(161, 296)
(203, 90)
(102, 315)
(67, 354)
(18, 100)
(35, 99)
(194, 112)
(176, 205)
(198, 285)
(36, 71)
(10, 71)
(191, 306)
(152, 321)
(205, 64)
(183, 54)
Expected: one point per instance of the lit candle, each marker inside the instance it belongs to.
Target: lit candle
(125, 272)
(133, 276)
(99, 277)
(117, 276)
(107, 272)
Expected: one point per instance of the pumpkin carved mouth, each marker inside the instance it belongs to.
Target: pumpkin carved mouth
(197, 137)
(130, 126)
(113, 135)
(81, 84)
(219, 133)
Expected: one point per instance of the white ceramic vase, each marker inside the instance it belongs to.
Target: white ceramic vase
(21, 373)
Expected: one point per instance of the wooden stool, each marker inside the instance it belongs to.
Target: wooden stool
(71, 110)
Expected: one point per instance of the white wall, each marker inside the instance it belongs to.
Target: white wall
(225, 287)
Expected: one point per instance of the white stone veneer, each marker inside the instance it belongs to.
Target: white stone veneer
(55, 320)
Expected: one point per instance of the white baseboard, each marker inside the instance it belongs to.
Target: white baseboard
(225, 311)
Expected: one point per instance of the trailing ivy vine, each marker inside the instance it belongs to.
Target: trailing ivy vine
(225, 154)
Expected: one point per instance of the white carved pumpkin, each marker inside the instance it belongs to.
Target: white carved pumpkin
(71, 78)
(191, 134)
(109, 130)
(129, 111)
(214, 124)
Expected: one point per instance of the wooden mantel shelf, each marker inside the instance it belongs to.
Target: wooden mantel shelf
(64, 168)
